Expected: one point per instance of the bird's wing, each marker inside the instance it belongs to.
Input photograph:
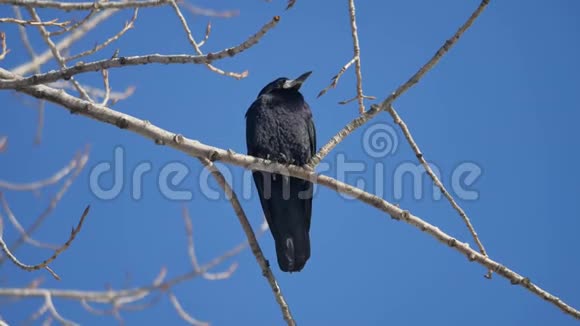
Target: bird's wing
(264, 180)
(309, 187)
(250, 130)
(251, 142)
(312, 136)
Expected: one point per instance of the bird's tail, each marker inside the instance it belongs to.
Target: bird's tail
(291, 214)
(287, 204)
(293, 251)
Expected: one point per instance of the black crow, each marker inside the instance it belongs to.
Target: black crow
(279, 127)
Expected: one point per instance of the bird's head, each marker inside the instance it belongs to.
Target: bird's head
(283, 83)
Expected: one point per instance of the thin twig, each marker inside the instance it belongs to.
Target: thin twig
(138, 306)
(367, 97)
(22, 22)
(47, 321)
(98, 93)
(19, 227)
(82, 161)
(190, 243)
(193, 257)
(33, 56)
(208, 12)
(290, 4)
(65, 43)
(45, 263)
(40, 122)
(337, 77)
(183, 314)
(34, 186)
(3, 46)
(206, 37)
(195, 45)
(368, 115)
(3, 143)
(24, 37)
(360, 97)
(128, 25)
(359, 90)
(397, 119)
(75, 25)
(120, 303)
(37, 314)
(54, 313)
(95, 311)
(105, 74)
(55, 52)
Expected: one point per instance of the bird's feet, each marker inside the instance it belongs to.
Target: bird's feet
(308, 167)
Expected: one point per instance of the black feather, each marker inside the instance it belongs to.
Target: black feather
(279, 127)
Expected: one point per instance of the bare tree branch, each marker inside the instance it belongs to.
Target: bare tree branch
(82, 159)
(360, 97)
(206, 37)
(195, 45)
(118, 298)
(45, 263)
(183, 314)
(128, 25)
(200, 150)
(96, 5)
(33, 56)
(22, 22)
(256, 250)
(105, 74)
(3, 143)
(40, 122)
(208, 12)
(53, 312)
(24, 37)
(98, 93)
(15, 81)
(19, 227)
(336, 77)
(367, 116)
(364, 97)
(193, 257)
(55, 52)
(397, 119)
(65, 43)
(290, 4)
(34, 186)
(1, 224)
(3, 46)
(356, 46)
(74, 25)
(32, 85)
(39, 313)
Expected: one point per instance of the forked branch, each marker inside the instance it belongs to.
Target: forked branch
(45, 263)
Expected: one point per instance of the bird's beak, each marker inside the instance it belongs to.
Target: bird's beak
(296, 83)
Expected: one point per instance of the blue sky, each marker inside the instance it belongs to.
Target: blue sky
(503, 100)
